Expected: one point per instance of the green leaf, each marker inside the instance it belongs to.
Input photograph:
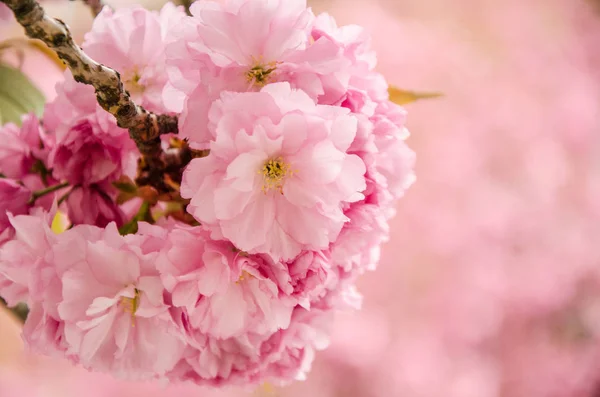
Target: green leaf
(143, 215)
(18, 96)
(402, 97)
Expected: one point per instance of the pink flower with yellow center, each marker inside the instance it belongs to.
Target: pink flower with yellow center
(278, 173)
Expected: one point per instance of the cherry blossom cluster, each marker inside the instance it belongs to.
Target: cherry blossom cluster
(290, 159)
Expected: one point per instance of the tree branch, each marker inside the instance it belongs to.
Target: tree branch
(94, 5)
(186, 4)
(50, 189)
(145, 128)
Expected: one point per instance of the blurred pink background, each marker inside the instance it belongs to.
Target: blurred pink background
(490, 286)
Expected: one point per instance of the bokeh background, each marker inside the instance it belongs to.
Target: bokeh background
(490, 285)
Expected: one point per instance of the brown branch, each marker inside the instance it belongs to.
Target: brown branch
(186, 4)
(94, 5)
(145, 128)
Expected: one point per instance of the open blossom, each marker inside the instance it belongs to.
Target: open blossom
(112, 306)
(208, 278)
(265, 335)
(365, 87)
(131, 40)
(277, 174)
(243, 45)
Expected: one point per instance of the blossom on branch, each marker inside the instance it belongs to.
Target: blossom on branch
(218, 256)
(131, 40)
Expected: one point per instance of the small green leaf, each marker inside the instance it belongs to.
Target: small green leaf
(125, 187)
(18, 96)
(402, 97)
(143, 215)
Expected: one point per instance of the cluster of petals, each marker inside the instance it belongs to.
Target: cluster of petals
(22, 152)
(132, 40)
(89, 151)
(307, 156)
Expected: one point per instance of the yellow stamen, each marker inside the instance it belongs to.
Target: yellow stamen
(244, 276)
(274, 172)
(260, 73)
(131, 304)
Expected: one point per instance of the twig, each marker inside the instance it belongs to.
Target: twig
(145, 128)
(50, 189)
(94, 5)
(20, 311)
(186, 4)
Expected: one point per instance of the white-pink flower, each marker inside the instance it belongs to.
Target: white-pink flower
(132, 41)
(209, 279)
(113, 309)
(278, 172)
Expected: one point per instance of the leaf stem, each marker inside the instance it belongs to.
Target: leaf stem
(50, 189)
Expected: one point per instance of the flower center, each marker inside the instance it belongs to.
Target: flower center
(260, 72)
(131, 305)
(274, 172)
(244, 276)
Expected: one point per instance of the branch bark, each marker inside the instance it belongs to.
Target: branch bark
(94, 5)
(145, 128)
(186, 4)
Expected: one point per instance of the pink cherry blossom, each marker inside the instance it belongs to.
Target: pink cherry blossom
(292, 202)
(291, 351)
(243, 45)
(131, 40)
(358, 245)
(278, 172)
(88, 146)
(235, 36)
(311, 275)
(364, 85)
(115, 318)
(89, 151)
(280, 357)
(43, 332)
(21, 147)
(394, 159)
(208, 278)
